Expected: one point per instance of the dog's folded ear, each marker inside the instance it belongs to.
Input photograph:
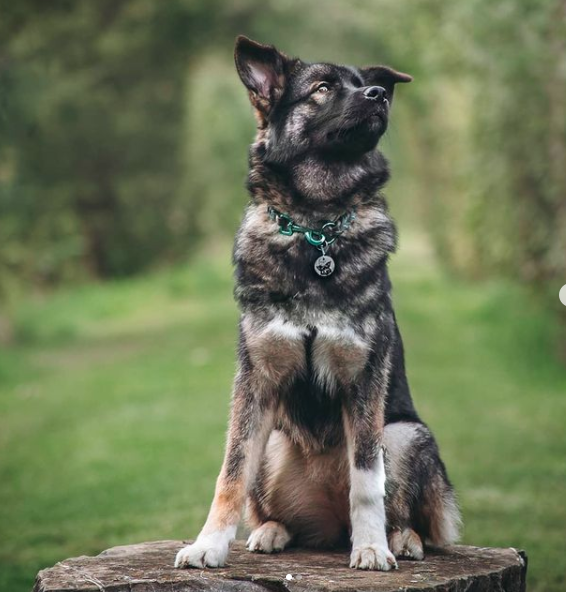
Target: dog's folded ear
(262, 69)
(385, 77)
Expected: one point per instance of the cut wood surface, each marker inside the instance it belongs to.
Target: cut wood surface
(148, 567)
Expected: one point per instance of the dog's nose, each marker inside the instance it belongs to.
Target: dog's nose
(374, 93)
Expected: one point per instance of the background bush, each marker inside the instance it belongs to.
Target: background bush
(124, 128)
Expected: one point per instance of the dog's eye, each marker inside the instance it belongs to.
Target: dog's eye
(323, 88)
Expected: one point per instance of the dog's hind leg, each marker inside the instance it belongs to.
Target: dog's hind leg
(420, 503)
(406, 544)
(270, 537)
(307, 495)
(399, 439)
(267, 536)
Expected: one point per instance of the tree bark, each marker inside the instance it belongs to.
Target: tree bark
(149, 567)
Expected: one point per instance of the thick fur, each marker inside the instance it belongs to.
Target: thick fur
(324, 442)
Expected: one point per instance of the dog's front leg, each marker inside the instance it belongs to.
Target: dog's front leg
(363, 422)
(250, 426)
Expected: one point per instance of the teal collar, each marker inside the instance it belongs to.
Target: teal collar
(324, 236)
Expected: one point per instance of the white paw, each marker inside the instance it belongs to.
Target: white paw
(207, 551)
(372, 557)
(406, 543)
(268, 538)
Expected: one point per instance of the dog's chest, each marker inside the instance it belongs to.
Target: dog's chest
(330, 353)
(306, 370)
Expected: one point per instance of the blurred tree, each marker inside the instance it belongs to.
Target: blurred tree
(92, 138)
(494, 104)
(124, 128)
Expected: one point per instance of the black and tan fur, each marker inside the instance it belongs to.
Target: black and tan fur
(321, 391)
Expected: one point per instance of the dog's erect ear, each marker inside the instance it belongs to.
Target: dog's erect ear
(385, 77)
(262, 70)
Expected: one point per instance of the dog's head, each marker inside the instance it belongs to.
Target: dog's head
(337, 112)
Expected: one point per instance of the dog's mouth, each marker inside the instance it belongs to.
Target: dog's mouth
(379, 115)
(373, 122)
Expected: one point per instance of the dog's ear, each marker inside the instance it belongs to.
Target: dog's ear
(385, 77)
(262, 69)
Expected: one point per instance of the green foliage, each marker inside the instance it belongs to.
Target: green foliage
(92, 148)
(124, 128)
(493, 148)
(92, 112)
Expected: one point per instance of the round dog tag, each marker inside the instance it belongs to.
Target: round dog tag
(324, 266)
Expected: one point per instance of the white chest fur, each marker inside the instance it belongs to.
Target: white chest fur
(278, 350)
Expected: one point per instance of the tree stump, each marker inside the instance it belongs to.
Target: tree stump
(148, 567)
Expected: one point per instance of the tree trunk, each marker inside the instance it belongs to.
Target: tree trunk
(149, 567)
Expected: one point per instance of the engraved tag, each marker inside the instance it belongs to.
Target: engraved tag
(324, 265)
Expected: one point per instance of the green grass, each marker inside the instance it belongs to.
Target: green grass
(113, 408)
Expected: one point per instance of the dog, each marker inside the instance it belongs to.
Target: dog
(324, 443)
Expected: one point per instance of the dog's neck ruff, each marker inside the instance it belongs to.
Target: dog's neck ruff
(321, 238)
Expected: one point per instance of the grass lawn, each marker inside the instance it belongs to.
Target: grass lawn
(113, 409)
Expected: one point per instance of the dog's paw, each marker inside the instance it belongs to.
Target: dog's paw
(407, 544)
(207, 551)
(270, 537)
(372, 557)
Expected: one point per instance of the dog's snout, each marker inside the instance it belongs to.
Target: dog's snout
(374, 93)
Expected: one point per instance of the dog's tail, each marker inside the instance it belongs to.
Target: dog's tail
(441, 511)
